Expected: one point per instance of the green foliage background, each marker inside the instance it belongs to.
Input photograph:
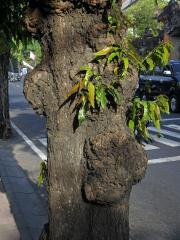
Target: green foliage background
(142, 16)
(21, 52)
(13, 35)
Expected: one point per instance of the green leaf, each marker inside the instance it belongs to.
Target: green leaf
(80, 100)
(81, 84)
(86, 68)
(91, 93)
(115, 94)
(150, 63)
(111, 57)
(113, 3)
(165, 55)
(116, 71)
(133, 54)
(40, 180)
(136, 105)
(73, 90)
(126, 64)
(142, 67)
(88, 75)
(163, 103)
(101, 96)
(155, 114)
(42, 174)
(131, 125)
(104, 51)
(98, 78)
(145, 116)
(117, 49)
(157, 124)
(144, 129)
(82, 113)
(110, 20)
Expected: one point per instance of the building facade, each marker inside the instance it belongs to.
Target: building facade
(170, 16)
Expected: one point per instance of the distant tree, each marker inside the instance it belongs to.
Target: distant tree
(142, 16)
(21, 52)
(12, 33)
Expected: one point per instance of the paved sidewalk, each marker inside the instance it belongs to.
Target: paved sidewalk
(23, 205)
(8, 227)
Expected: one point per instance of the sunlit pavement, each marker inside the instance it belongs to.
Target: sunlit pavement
(8, 227)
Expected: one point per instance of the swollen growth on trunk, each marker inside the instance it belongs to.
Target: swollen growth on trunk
(83, 86)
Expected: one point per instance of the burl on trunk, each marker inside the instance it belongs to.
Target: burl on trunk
(91, 170)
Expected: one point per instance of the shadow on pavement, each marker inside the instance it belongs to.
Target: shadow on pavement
(19, 168)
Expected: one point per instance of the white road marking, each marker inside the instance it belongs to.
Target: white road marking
(173, 126)
(166, 132)
(170, 119)
(165, 141)
(43, 141)
(148, 147)
(44, 157)
(164, 160)
(29, 142)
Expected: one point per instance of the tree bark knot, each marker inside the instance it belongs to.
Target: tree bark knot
(114, 163)
(65, 5)
(55, 6)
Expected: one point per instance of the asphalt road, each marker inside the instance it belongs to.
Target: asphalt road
(155, 202)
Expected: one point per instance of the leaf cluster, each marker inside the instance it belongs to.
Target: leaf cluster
(144, 112)
(124, 54)
(114, 17)
(43, 173)
(115, 54)
(91, 93)
(159, 56)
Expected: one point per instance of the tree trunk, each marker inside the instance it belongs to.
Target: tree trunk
(5, 128)
(91, 170)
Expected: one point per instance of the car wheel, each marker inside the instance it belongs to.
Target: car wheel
(174, 104)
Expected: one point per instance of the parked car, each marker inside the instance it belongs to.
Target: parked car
(162, 81)
(13, 77)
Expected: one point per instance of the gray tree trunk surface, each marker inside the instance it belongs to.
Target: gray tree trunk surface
(91, 170)
(5, 128)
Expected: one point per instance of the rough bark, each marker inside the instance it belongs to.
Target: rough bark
(91, 170)
(5, 128)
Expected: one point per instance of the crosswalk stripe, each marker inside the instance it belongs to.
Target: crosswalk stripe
(166, 132)
(164, 160)
(173, 126)
(43, 141)
(165, 141)
(170, 119)
(148, 147)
